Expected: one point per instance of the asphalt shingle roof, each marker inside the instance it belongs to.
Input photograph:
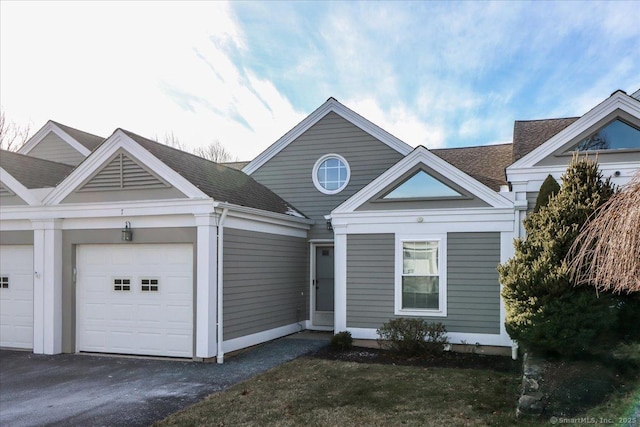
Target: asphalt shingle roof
(530, 134)
(224, 184)
(90, 141)
(33, 172)
(485, 163)
(236, 165)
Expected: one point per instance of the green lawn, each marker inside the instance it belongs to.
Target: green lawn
(316, 392)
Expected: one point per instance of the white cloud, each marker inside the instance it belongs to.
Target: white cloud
(400, 122)
(153, 68)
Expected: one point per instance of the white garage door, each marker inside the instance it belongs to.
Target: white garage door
(16, 296)
(135, 299)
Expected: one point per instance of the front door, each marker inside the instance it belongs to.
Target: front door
(324, 286)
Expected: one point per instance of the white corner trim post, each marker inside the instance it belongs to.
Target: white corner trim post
(206, 286)
(340, 279)
(47, 286)
(220, 269)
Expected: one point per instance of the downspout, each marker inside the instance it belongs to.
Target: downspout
(220, 331)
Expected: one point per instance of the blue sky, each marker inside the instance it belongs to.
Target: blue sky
(440, 74)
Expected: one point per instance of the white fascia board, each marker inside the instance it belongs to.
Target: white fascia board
(98, 158)
(110, 209)
(20, 190)
(617, 101)
(533, 176)
(422, 155)
(331, 105)
(44, 131)
(472, 219)
(266, 216)
(501, 340)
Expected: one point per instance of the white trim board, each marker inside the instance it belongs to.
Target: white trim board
(617, 101)
(423, 156)
(260, 337)
(331, 105)
(44, 131)
(454, 337)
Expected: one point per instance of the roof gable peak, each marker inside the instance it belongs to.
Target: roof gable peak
(330, 105)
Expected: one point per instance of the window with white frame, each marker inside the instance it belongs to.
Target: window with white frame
(420, 275)
(331, 174)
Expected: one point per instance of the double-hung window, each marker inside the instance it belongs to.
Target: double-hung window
(421, 286)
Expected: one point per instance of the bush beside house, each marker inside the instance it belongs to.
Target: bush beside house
(545, 311)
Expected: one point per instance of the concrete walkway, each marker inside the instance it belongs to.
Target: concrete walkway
(86, 390)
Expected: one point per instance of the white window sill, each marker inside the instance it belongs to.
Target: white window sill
(421, 313)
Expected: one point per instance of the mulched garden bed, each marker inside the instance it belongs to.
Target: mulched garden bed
(447, 359)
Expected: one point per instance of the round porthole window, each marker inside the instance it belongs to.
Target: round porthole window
(331, 174)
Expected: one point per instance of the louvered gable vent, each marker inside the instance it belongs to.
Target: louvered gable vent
(122, 173)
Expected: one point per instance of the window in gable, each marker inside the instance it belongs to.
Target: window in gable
(421, 283)
(614, 136)
(421, 185)
(331, 174)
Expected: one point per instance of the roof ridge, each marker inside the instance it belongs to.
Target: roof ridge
(472, 146)
(62, 125)
(546, 120)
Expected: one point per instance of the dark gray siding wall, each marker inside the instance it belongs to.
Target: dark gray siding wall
(71, 238)
(16, 237)
(472, 282)
(532, 197)
(370, 275)
(289, 173)
(54, 148)
(265, 281)
(11, 201)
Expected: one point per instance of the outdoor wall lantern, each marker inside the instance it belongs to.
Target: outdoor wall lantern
(127, 233)
(329, 226)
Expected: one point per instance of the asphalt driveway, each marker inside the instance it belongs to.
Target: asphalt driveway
(86, 390)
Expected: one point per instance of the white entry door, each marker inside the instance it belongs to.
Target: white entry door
(16, 296)
(135, 299)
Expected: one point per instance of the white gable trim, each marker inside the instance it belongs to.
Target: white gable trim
(44, 131)
(99, 157)
(617, 101)
(16, 186)
(331, 105)
(422, 155)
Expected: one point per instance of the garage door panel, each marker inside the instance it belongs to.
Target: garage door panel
(149, 317)
(16, 300)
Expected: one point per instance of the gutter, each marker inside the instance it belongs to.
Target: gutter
(220, 330)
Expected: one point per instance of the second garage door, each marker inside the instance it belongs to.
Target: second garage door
(16, 296)
(135, 299)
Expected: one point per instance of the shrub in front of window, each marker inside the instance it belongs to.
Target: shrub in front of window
(412, 337)
(341, 341)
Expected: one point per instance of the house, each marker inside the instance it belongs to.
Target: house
(124, 245)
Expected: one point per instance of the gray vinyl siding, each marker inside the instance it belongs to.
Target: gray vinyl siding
(473, 291)
(16, 237)
(72, 238)
(265, 281)
(54, 148)
(532, 197)
(288, 173)
(123, 195)
(370, 277)
(11, 200)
